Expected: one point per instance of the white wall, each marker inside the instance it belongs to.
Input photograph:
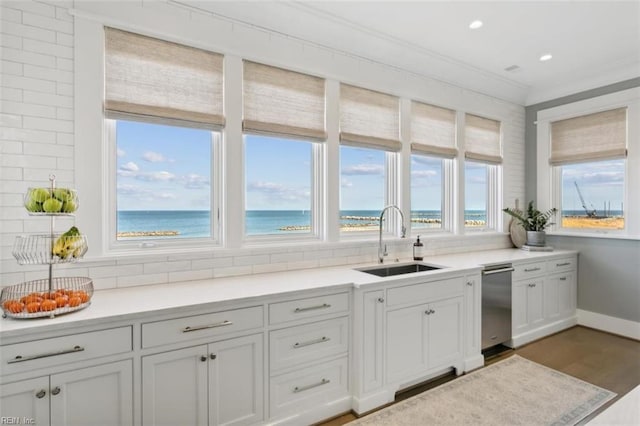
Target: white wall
(41, 132)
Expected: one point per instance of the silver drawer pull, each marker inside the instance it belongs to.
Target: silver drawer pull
(563, 264)
(531, 269)
(532, 285)
(205, 327)
(312, 308)
(311, 342)
(563, 278)
(298, 389)
(498, 271)
(20, 358)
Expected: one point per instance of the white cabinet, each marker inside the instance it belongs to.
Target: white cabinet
(406, 332)
(527, 307)
(100, 395)
(423, 337)
(544, 298)
(218, 384)
(473, 322)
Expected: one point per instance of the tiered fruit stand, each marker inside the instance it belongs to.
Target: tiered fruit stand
(50, 296)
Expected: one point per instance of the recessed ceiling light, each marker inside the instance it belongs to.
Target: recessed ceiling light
(545, 57)
(475, 24)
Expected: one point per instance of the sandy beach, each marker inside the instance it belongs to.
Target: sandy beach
(593, 223)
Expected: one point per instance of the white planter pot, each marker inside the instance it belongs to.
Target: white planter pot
(536, 238)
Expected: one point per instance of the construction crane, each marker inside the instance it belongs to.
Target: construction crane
(590, 213)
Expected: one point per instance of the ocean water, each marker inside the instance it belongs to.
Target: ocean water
(197, 223)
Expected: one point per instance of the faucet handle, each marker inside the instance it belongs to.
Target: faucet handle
(404, 231)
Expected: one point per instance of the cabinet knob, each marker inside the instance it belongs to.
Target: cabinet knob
(381, 299)
(470, 283)
(55, 390)
(432, 311)
(213, 356)
(41, 394)
(429, 311)
(203, 358)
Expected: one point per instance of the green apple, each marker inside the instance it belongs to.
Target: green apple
(39, 195)
(33, 206)
(69, 206)
(52, 205)
(63, 194)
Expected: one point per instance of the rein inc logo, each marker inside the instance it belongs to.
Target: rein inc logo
(8, 420)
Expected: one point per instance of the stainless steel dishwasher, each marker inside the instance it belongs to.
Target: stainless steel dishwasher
(496, 304)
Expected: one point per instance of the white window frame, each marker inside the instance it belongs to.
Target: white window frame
(494, 199)
(549, 177)
(447, 197)
(317, 207)
(109, 233)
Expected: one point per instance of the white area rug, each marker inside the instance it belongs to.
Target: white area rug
(514, 391)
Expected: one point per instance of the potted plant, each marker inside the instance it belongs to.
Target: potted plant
(534, 222)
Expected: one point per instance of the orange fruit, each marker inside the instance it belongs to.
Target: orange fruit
(48, 305)
(33, 297)
(74, 301)
(33, 307)
(83, 295)
(7, 303)
(14, 306)
(62, 300)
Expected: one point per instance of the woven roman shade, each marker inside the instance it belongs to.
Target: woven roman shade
(283, 102)
(151, 77)
(433, 130)
(369, 119)
(589, 137)
(482, 139)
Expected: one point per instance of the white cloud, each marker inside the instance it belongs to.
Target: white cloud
(130, 167)
(194, 181)
(346, 183)
(144, 194)
(120, 152)
(423, 173)
(363, 169)
(162, 176)
(277, 192)
(153, 157)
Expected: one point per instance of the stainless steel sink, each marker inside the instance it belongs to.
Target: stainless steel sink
(392, 270)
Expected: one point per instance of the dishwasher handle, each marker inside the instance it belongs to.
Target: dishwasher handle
(498, 271)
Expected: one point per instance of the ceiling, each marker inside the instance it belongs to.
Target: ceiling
(593, 43)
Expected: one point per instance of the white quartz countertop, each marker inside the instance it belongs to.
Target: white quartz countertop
(135, 302)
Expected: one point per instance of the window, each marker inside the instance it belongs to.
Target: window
(482, 176)
(279, 186)
(163, 108)
(369, 138)
(163, 181)
(587, 156)
(363, 186)
(593, 195)
(283, 114)
(426, 192)
(591, 192)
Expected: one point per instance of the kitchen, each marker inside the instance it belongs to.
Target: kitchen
(72, 140)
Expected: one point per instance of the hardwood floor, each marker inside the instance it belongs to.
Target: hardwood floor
(600, 358)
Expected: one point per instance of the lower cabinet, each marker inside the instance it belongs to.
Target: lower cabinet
(559, 296)
(216, 384)
(422, 337)
(527, 311)
(100, 395)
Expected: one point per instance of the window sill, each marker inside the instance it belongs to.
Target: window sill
(594, 234)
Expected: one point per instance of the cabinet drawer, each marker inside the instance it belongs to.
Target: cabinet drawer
(307, 343)
(198, 326)
(560, 265)
(524, 271)
(425, 292)
(308, 387)
(29, 356)
(308, 308)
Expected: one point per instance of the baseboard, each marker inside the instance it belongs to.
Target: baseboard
(619, 326)
(372, 401)
(319, 413)
(472, 363)
(544, 331)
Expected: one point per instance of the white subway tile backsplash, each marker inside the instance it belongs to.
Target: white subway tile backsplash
(11, 41)
(251, 260)
(19, 55)
(135, 280)
(10, 14)
(34, 84)
(287, 257)
(232, 271)
(28, 32)
(11, 94)
(192, 275)
(50, 124)
(11, 68)
(47, 23)
(11, 173)
(48, 99)
(36, 8)
(152, 268)
(29, 109)
(47, 73)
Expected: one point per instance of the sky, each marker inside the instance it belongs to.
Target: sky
(169, 168)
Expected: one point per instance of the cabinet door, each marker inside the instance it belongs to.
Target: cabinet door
(551, 297)
(527, 305)
(174, 387)
(405, 348)
(444, 342)
(373, 312)
(100, 395)
(236, 381)
(567, 295)
(26, 400)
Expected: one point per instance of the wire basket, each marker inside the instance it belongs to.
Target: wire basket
(46, 298)
(48, 249)
(51, 201)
